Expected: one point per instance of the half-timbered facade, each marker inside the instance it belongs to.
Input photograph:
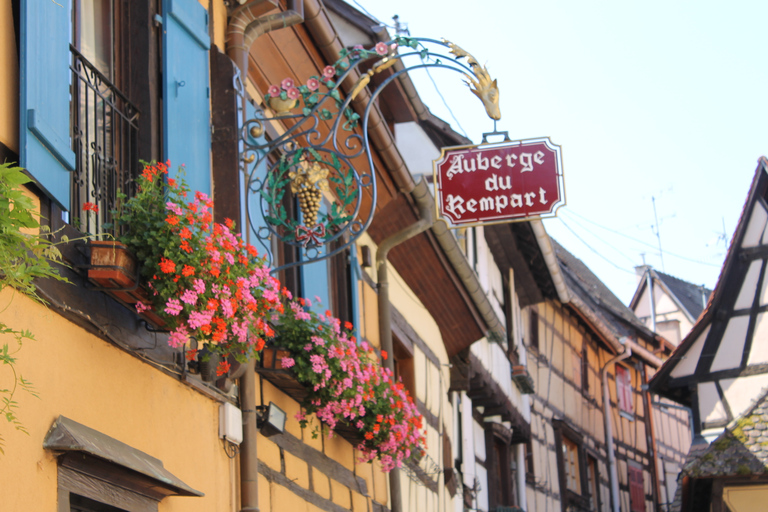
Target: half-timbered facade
(720, 371)
(123, 421)
(594, 426)
(722, 365)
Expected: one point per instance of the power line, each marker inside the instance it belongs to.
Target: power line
(398, 28)
(450, 110)
(631, 261)
(571, 212)
(593, 249)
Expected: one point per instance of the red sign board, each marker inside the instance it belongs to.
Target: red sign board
(504, 182)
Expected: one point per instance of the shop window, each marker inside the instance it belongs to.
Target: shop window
(624, 392)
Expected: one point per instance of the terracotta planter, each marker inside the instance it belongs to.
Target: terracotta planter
(114, 270)
(112, 265)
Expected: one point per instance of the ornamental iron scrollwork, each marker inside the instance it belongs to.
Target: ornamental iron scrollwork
(303, 182)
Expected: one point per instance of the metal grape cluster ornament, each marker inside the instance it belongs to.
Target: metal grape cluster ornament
(313, 185)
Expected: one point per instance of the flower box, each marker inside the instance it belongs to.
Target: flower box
(114, 270)
(270, 367)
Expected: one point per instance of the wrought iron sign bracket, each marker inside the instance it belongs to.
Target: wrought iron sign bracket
(305, 187)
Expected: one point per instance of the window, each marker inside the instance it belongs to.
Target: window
(530, 473)
(533, 330)
(81, 504)
(78, 130)
(97, 473)
(636, 487)
(571, 466)
(104, 123)
(624, 390)
(501, 476)
(584, 369)
(574, 482)
(593, 482)
(576, 364)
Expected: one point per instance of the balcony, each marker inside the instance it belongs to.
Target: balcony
(104, 131)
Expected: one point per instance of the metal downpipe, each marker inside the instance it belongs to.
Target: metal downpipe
(246, 24)
(385, 312)
(612, 472)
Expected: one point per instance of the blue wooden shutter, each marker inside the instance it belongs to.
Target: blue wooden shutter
(187, 120)
(45, 147)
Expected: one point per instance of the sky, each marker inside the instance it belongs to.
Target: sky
(660, 108)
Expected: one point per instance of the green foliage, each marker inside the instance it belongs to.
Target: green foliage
(26, 252)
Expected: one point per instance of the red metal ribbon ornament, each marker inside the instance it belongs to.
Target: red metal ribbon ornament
(306, 235)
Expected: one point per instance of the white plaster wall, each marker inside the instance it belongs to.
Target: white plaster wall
(749, 286)
(710, 407)
(688, 364)
(731, 348)
(756, 227)
(416, 148)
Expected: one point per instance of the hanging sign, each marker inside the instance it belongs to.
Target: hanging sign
(493, 183)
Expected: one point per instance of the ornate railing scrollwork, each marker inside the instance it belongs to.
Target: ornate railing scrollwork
(304, 183)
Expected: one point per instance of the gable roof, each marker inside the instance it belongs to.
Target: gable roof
(699, 349)
(687, 296)
(591, 293)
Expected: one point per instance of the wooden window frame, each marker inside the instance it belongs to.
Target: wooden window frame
(636, 487)
(533, 329)
(624, 391)
(568, 497)
(594, 490)
(73, 482)
(498, 463)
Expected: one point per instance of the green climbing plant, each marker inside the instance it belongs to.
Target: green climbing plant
(26, 254)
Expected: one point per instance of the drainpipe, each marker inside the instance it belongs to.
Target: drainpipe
(249, 463)
(522, 499)
(649, 280)
(246, 24)
(612, 472)
(250, 21)
(385, 325)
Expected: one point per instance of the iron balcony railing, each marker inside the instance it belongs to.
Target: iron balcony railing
(105, 131)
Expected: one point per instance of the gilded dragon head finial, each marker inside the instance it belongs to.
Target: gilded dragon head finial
(481, 85)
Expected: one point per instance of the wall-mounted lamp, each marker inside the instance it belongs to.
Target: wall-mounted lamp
(270, 420)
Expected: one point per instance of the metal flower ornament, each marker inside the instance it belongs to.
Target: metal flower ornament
(313, 186)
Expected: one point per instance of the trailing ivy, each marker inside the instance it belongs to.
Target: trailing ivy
(26, 253)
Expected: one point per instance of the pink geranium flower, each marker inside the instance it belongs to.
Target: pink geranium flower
(273, 91)
(287, 83)
(313, 84)
(293, 93)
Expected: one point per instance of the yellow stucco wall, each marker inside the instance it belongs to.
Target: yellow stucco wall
(9, 79)
(94, 383)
